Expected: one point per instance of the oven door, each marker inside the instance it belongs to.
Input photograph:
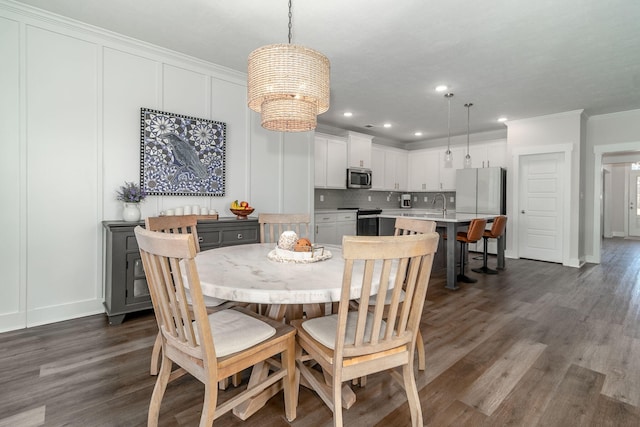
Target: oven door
(368, 225)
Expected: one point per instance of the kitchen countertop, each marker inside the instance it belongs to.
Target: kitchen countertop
(437, 216)
(321, 211)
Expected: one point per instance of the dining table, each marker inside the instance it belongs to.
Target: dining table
(450, 222)
(291, 289)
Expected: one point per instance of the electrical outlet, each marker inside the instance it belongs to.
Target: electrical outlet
(426, 199)
(321, 198)
(388, 198)
(415, 198)
(369, 198)
(452, 199)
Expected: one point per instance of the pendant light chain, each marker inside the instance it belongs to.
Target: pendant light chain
(290, 26)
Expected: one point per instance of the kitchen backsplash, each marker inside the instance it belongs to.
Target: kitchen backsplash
(332, 199)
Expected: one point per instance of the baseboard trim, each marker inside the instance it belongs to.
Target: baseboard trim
(58, 313)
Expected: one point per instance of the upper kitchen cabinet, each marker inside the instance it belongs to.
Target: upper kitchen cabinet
(448, 175)
(330, 162)
(359, 150)
(377, 167)
(395, 170)
(424, 173)
(488, 154)
(389, 168)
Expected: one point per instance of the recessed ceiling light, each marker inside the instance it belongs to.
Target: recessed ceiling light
(387, 125)
(441, 88)
(502, 119)
(418, 134)
(348, 114)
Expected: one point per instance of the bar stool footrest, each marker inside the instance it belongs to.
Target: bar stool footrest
(466, 279)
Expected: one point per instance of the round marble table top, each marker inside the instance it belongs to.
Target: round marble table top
(245, 273)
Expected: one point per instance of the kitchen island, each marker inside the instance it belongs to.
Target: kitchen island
(450, 222)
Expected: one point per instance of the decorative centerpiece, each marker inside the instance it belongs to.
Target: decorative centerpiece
(290, 248)
(241, 209)
(131, 195)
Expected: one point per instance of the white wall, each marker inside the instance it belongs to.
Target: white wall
(607, 133)
(548, 134)
(70, 104)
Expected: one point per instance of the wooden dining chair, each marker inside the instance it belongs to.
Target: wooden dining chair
(403, 227)
(180, 224)
(272, 225)
(213, 346)
(360, 342)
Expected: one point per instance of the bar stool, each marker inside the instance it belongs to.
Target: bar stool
(472, 235)
(497, 230)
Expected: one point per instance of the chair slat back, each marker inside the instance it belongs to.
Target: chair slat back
(386, 261)
(406, 226)
(168, 260)
(272, 225)
(177, 224)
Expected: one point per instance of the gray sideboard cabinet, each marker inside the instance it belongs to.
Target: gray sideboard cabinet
(125, 286)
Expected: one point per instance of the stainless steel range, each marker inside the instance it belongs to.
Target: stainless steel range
(367, 221)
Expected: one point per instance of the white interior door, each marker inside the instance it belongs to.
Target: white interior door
(540, 212)
(634, 203)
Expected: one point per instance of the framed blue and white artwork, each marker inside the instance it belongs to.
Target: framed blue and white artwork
(181, 155)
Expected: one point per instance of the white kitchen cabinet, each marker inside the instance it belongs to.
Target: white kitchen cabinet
(331, 226)
(330, 162)
(359, 150)
(424, 172)
(395, 170)
(389, 168)
(377, 167)
(488, 154)
(448, 175)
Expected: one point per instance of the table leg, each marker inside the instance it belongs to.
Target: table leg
(451, 256)
(260, 371)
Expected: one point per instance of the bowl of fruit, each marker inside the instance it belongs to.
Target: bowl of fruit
(241, 209)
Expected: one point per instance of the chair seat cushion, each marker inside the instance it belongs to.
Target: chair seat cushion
(323, 329)
(234, 331)
(208, 301)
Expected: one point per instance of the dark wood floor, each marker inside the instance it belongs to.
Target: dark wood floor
(537, 345)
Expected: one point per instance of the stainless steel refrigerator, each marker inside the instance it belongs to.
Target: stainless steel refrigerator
(481, 191)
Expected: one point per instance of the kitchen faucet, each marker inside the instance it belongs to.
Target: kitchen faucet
(444, 202)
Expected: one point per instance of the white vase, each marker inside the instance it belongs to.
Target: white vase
(131, 212)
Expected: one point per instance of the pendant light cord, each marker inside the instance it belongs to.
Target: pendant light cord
(468, 109)
(448, 96)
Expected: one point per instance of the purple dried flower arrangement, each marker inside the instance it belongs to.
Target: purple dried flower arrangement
(131, 193)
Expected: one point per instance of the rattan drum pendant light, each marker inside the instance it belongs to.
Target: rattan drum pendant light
(288, 85)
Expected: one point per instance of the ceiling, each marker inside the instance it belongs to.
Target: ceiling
(513, 58)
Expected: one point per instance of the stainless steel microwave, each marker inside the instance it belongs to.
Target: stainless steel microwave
(358, 178)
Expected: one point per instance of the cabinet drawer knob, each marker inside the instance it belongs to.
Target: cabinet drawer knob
(200, 239)
(240, 237)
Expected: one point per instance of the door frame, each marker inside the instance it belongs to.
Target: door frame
(599, 151)
(518, 152)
